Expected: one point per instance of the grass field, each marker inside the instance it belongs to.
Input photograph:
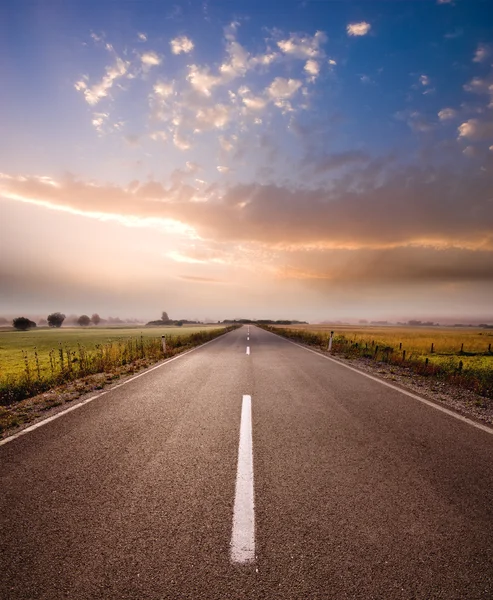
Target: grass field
(462, 355)
(14, 344)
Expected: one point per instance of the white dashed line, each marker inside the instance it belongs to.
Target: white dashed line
(243, 534)
(248, 350)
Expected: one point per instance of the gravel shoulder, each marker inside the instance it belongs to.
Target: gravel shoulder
(463, 401)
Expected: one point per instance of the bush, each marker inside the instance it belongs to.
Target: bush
(23, 323)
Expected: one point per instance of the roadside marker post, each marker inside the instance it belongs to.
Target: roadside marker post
(330, 341)
(163, 342)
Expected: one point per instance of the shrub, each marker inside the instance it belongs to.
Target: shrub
(23, 323)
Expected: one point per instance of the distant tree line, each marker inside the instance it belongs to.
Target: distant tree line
(165, 320)
(57, 319)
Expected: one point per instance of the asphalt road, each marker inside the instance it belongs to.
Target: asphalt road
(360, 491)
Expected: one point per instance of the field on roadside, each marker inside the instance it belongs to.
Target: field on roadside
(43, 340)
(447, 341)
(460, 354)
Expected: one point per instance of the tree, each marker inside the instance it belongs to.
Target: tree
(23, 323)
(56, 319)
(83, 320)
(96, 319)
(164, 317)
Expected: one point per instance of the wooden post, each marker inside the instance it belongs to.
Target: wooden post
(330, 341)
(460, 365)
(163, 342)
(461, 348)
(403, 355)
(426, 361)
(432, 348)
(376, 351)
(400, 346)
(489, 347)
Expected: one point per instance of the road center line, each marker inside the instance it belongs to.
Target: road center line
(243, 534)
(248, 350)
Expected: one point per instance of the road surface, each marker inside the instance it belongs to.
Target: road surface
(249, 469)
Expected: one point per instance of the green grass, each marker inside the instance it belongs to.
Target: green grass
(14, 343)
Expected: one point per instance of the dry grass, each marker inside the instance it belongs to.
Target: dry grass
(462, 356)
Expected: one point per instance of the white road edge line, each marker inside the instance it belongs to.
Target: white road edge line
(394, 387)
(76, 406)
(243, 533)
(248, 350)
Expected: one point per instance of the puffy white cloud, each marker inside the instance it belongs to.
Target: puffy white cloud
(238, 63)
(181, 44)
(202, 80)
(282, 88)
(213, 117)
(361, 28)
(332, 62)
(150, 59)
(313, 68)
(163, 89)
(477, 130)
(98, 121)
(223, 169)
(142, 37)
(255, 103)
(482, 53)
(446, 114)
(303, 47)
(93, 94)
(424, 80)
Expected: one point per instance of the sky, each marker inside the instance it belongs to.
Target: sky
(315, 160)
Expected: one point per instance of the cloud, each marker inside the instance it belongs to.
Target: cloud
(150, 59)
(476, 130)
(181, 44)
(424, 80)
(444, 1)
(303, 46)
(223, 169)
(312, 67)
(337, 161)
(159, 136)
(93, 94)
(213, 117)
(98, 120)
(405, 206)
(483, 51)
(480, 86)
(447, 113)
(361, 28)
(142, 37)
(202, 80)
(181, 142)
(282, 88)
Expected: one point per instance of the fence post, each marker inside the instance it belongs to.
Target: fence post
(330, 341)
(432, 348)
(403, 355)
(163, 342)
